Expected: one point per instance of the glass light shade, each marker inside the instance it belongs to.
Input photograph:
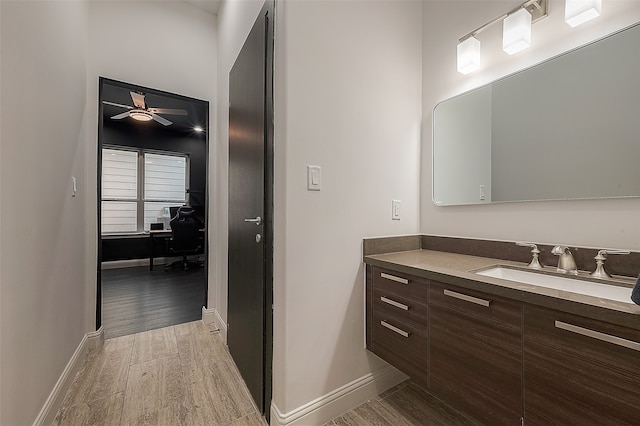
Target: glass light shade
(140, 115)
(578, 12)
(516, 32)
(468, 55)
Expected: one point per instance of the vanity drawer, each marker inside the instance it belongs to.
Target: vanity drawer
(400, 309)
(401, 345)
(475, 353)
(477, 305)
(579, 370)
(404, 285)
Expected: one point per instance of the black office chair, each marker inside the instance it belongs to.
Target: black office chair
(186, 238)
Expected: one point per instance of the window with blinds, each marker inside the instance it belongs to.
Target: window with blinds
(138, 186)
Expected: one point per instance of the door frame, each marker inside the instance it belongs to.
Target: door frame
(101, 82)
(268, 10)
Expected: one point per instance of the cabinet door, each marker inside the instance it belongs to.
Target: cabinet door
(579, 371)
(475, 353)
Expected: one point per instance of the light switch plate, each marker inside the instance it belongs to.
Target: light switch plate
(395, 209)
(314, 178)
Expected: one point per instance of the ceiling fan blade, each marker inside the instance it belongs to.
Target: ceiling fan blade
(118, 105)
(167, 111)
(120, 116)
(138, 100)
(161, 120)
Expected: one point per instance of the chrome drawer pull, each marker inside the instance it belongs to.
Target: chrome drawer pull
(394, 303)
(599, 336)
(396, 329)
(467, 298)
(394, 278)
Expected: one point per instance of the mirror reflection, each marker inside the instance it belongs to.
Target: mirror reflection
(568, 128)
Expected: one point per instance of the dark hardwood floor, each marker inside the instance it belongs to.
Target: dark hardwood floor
(136, 299)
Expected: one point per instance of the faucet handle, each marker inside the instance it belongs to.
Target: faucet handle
(605, 252)
(600, 258)
(535, 262)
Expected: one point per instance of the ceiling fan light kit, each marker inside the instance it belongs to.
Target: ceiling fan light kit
(141, 112)
(140, 115)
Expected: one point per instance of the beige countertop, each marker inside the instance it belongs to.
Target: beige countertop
(457, 269)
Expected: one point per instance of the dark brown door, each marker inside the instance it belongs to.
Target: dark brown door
(250, 207)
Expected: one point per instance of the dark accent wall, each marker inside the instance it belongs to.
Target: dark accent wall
(156, 137)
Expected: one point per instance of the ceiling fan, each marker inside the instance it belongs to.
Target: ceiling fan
(141, 112)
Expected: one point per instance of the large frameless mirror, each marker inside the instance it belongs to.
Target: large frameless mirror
(568, 128)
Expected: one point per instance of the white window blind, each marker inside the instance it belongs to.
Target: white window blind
(119, 216)
(135, 193)
(119, 174)
(164, 177)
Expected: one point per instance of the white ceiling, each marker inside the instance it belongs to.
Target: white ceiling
(210, 6)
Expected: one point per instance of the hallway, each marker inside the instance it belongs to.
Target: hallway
(178, 375)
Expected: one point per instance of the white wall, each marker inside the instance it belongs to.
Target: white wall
(43, 135)
(598, 223)
(347, 88)
(180, 58)
(52, 55)
(235, 19)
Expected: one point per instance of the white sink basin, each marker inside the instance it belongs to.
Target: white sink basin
(573, 285)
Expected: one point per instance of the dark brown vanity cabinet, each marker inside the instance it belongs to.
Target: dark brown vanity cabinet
(579, 371)
(502, 361)
(397, 313)
(475, 353)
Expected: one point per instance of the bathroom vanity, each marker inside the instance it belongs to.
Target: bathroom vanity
(501, 351)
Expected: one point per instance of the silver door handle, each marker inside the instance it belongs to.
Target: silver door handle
(599, 336)
(395, 329)
(257, 220)
(394, 303)
(467, 298)
(394, 278)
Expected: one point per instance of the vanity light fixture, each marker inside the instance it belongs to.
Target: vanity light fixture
(577, 12)
(516, 36)
(468, 55)
(516, 32)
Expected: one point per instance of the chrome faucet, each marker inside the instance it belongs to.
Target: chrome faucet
(566, 262)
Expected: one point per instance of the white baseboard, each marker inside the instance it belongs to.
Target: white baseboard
(212, 316)
(339, 401)
(95, 339)
(92, 340)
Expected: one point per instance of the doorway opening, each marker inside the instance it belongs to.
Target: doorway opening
(152, 179)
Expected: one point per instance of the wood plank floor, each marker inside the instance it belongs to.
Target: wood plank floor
(136, 299)
(404, 405)
(178, 375)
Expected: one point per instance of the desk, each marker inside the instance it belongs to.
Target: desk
(153, 234)
(164, 234)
